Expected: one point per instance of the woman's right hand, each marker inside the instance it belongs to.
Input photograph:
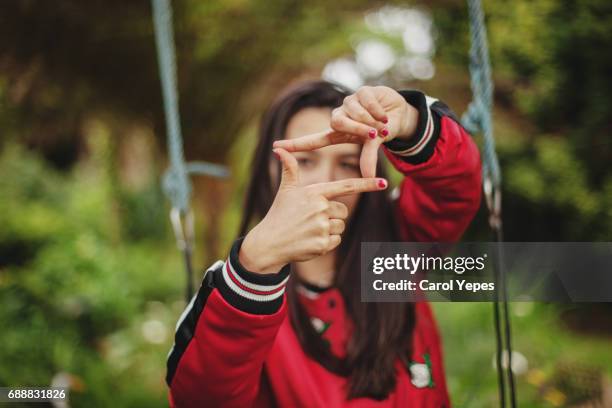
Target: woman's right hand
(303, 222)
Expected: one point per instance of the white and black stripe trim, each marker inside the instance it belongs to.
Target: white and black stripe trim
(310, 290)
(421, 147)
(186, 325)
(254, 287)
(251, 292)
(258, 293)
(309, 294)
(244, 290)
(422, 139)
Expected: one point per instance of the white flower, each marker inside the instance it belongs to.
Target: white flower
(420, 375)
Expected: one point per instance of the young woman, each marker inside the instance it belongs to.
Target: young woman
(280, 322)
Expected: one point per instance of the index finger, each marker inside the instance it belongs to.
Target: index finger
(315, 141)
(369, 157)
(349, 186)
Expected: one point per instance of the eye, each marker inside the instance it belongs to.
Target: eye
(350, 166)
(305, 162)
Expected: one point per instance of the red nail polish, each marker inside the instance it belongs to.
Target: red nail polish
(384, 132)
(385, 120)
(372, 133)
(382, 183)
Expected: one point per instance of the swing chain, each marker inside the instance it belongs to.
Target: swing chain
(175, 182)
(493, 198)
(183, 226)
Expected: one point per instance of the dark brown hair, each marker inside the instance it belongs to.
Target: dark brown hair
(382, 331)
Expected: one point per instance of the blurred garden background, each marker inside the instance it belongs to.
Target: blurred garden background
(91, 282)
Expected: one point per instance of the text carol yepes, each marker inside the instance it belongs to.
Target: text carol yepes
(426, 285)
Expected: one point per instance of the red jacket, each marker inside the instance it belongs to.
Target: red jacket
(235, 346)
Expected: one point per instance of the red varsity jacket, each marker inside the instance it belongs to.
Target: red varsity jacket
(234, 344)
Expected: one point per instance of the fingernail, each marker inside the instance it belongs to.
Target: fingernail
(276, 154)
(382, 183)
(385, 120)
(384, 132)
(372, 133)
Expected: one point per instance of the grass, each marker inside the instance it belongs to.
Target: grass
(538, 333)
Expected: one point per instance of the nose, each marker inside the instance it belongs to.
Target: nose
(328, 170)
(323, 172)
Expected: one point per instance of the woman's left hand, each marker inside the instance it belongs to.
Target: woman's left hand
(370, 116)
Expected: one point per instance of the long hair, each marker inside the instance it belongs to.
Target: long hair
(382, 332)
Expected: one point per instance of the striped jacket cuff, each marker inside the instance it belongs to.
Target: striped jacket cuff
(248, 291)
(421, 147)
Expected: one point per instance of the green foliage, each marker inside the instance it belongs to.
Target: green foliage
(103, 58)
(74, 297)
(546, 180)
(551, 75)
(554, 55)
(467, 334)
(90, 280)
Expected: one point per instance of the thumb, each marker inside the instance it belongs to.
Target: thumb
(290, 173)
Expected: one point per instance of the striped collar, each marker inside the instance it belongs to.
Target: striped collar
(310, 290)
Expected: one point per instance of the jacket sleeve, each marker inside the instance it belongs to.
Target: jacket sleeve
(440, 193)
(224, 335)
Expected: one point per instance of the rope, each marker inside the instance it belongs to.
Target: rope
(175, 182)
(176, 185)
(478, 118)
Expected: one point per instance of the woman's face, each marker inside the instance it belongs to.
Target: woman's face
(329, 163)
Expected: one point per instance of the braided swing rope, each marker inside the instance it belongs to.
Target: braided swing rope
(175, 181)
(478, 118)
